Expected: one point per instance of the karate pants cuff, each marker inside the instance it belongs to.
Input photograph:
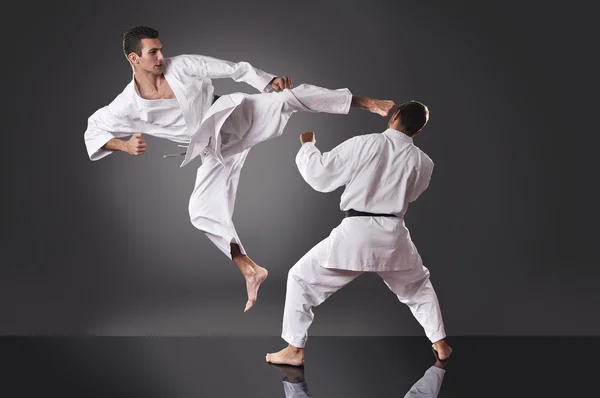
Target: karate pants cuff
(296, 342)
(437, 336)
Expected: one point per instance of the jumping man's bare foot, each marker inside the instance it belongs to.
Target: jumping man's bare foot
(254, 274)
(288, 356)
(381, 107)
(253, 282)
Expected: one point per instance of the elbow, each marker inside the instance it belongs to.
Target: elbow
(319, 186)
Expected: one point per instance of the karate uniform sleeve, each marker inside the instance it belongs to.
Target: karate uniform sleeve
(426, 171)
(105, 124)
(214, 68)
(328, 171)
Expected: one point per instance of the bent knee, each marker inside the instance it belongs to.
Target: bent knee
(197, 212)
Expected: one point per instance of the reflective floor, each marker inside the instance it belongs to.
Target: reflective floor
(346, 367)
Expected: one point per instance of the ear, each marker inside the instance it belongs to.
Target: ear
(132, 57)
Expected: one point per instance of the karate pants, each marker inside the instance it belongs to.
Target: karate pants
(310, 284)
(212, 201)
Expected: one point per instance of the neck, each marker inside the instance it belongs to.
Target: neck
(147, 80)
(400, 129)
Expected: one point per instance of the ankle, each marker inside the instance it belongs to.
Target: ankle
(440, 343)
(361, 102)
(244, 265)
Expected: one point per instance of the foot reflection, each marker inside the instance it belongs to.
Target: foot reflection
(428, 386)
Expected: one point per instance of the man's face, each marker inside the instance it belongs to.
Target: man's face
(152, 59)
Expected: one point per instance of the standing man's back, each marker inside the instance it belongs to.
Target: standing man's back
(382, 173)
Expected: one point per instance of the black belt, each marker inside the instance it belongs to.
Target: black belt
(356, 213)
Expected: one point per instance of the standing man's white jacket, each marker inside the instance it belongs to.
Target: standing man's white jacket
(382, 173)
(190, 79)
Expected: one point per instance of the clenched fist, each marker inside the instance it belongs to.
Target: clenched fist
(308, 136)
(281, 83)
(136, 145)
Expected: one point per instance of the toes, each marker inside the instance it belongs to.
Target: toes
(249, 305)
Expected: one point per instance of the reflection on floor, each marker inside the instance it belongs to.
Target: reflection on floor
(345, 367)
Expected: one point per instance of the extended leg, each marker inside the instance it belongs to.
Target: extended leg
(309, 98)
(261, 117)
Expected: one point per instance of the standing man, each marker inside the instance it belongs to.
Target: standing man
(172, 98)
(383, 173)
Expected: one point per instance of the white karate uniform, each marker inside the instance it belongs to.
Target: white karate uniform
(240, 121)
(221, 134)
(189, 76)
(382, 173)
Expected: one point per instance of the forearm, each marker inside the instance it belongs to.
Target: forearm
(115, 144)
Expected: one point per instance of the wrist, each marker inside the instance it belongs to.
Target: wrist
(123, 145)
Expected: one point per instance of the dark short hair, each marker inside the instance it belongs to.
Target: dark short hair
(413, 116)
(132, 39)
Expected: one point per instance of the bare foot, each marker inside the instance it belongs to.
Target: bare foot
(288, 356)
(442, 350)
(381, 107)
(253, 282)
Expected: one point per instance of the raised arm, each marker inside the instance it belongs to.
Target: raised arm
(328, 171)
(214, 68)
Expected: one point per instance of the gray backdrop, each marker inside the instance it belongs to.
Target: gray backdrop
(507, 227)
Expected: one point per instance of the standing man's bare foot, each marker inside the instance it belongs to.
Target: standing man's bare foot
(381, 107)
(288, 356)
(254, 274)
(442, 350)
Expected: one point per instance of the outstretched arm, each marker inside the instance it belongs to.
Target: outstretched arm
(214, 68)
(328, 171)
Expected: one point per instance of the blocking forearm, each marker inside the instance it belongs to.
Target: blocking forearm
(116, 144)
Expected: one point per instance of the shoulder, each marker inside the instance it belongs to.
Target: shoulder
(124, 103)
(360, 140)
(426, 160)
(424, 156)
(185, 61)
(368, 138)
(359, 143)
